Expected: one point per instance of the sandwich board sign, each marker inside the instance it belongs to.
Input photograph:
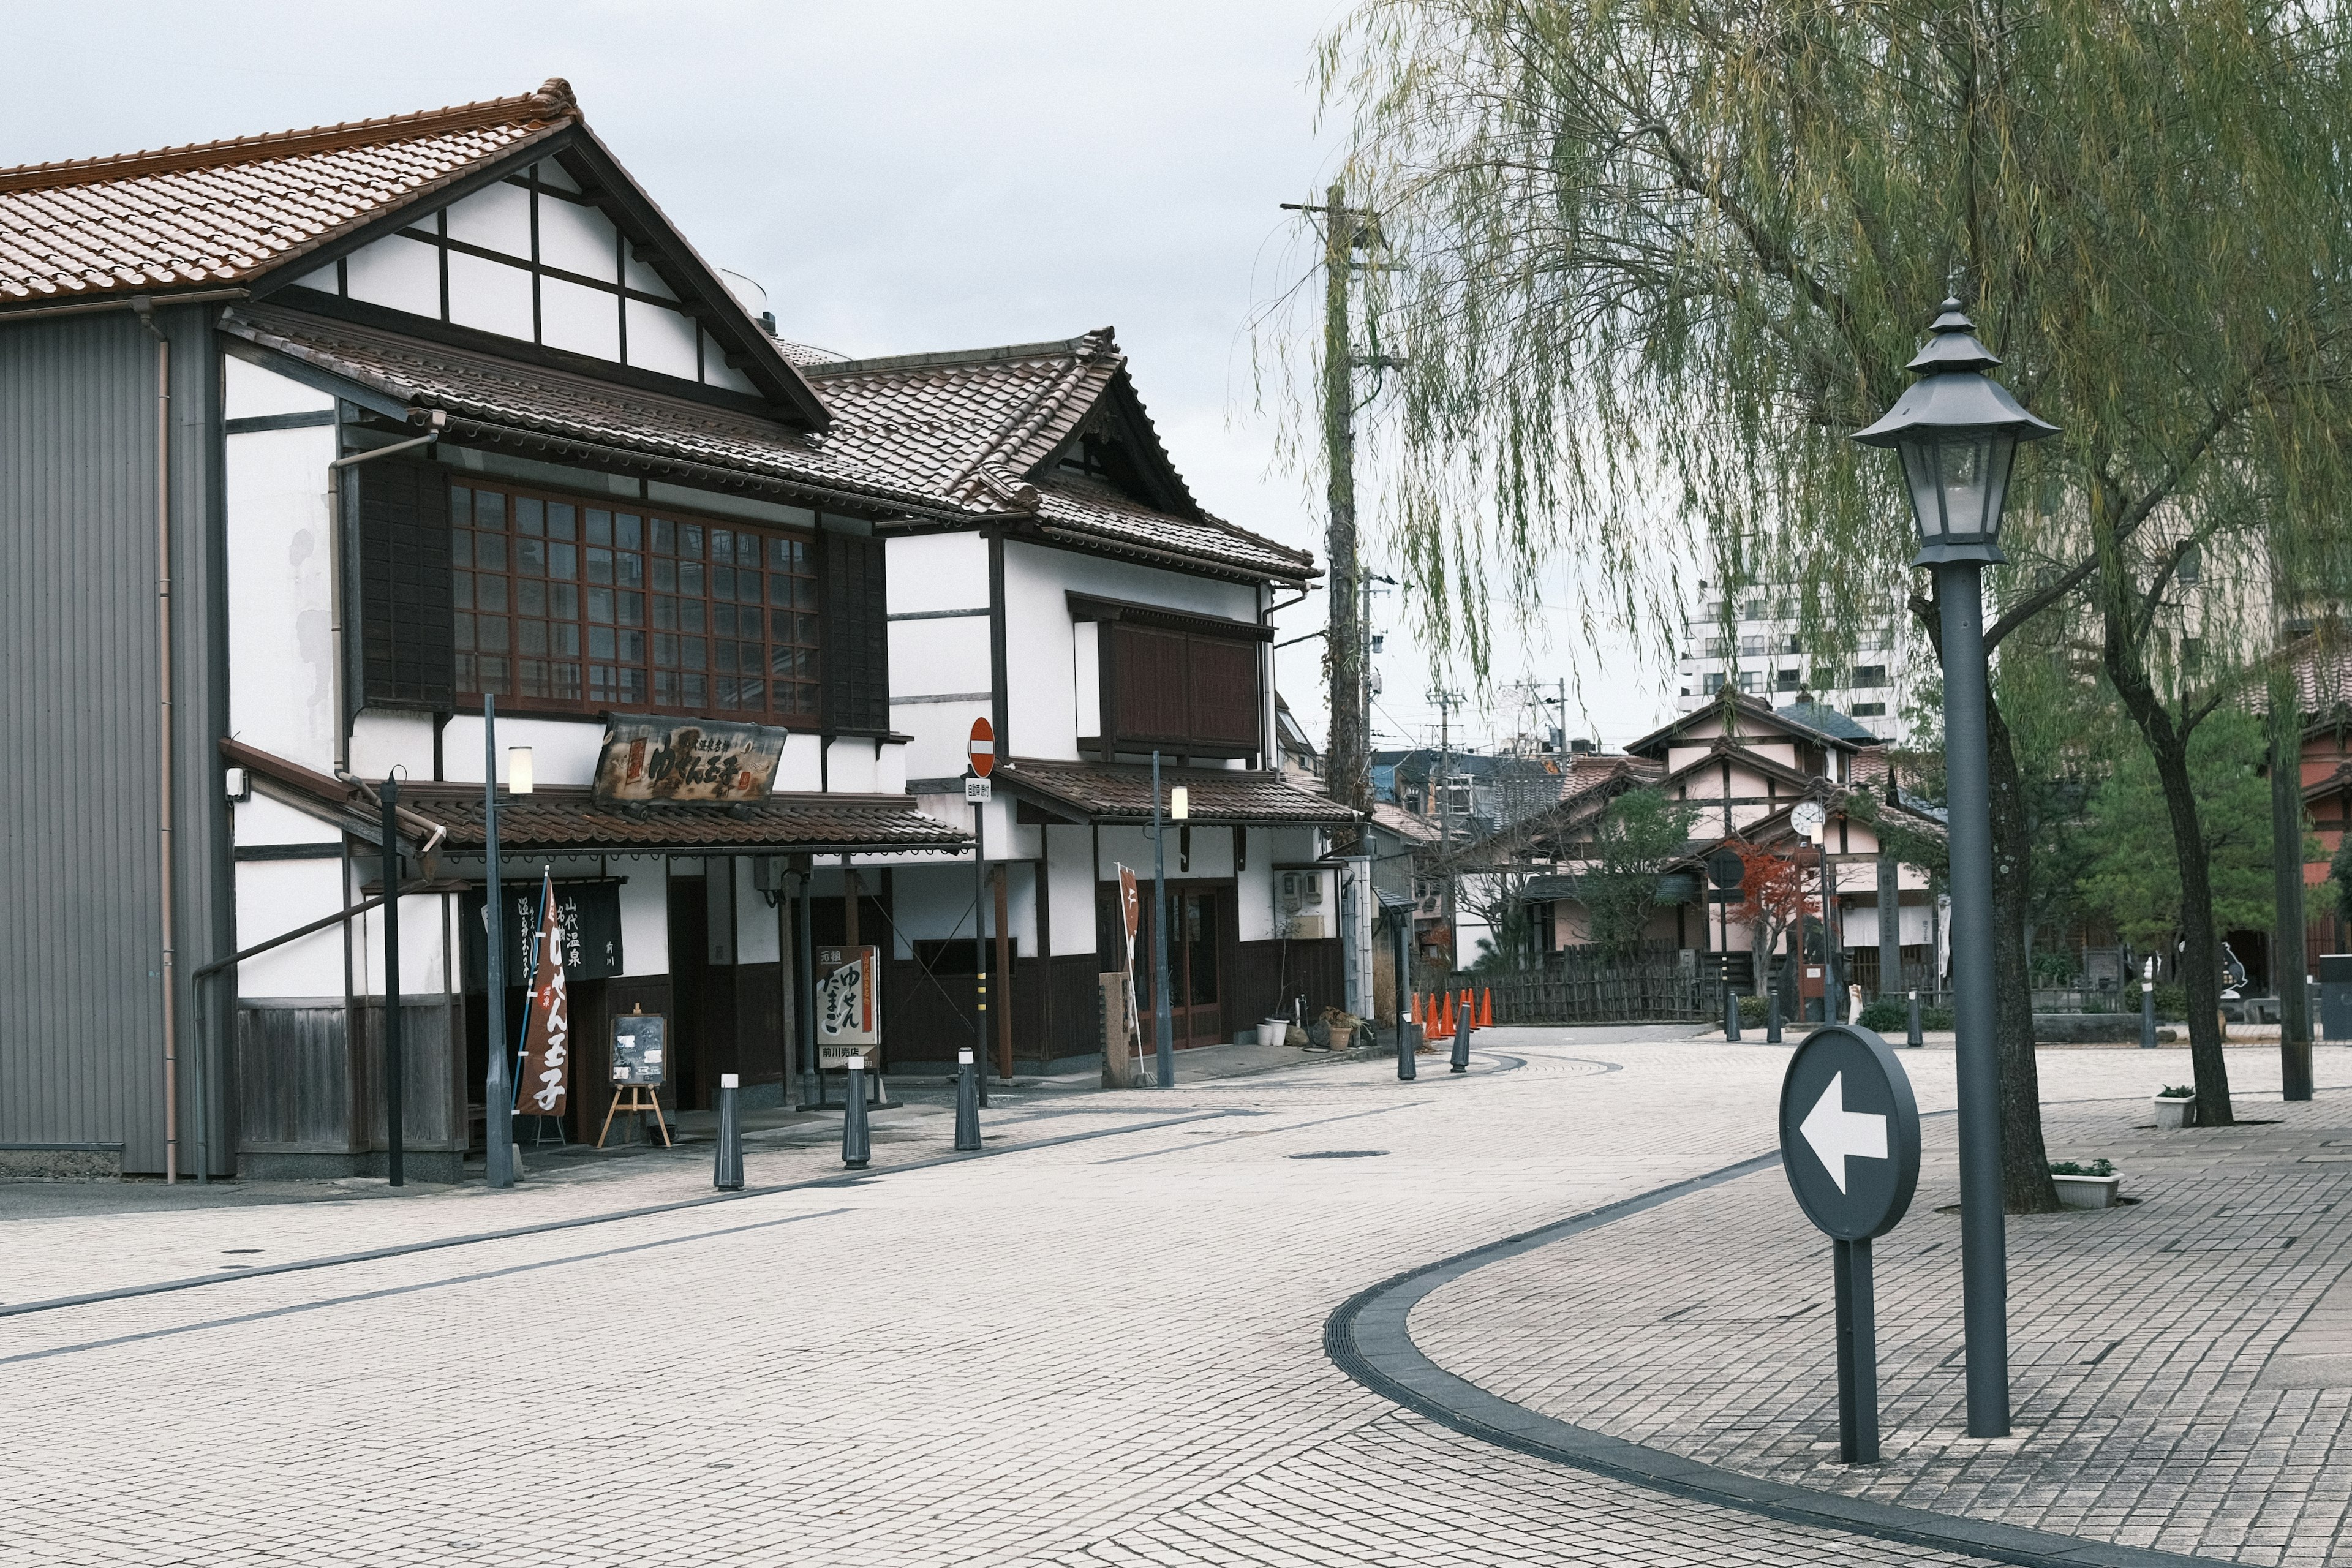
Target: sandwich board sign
(1850, 1147)
(638, 1056)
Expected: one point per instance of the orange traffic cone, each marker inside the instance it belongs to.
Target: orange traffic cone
(1486, 1008)
(1413, 1012)
(1446, 1030)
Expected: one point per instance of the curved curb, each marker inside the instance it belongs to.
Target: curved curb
(1368, 1338)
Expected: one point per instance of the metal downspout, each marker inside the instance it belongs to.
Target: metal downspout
(145, 308)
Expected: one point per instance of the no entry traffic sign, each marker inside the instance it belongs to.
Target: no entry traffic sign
(981, 748)
(1850, 1144)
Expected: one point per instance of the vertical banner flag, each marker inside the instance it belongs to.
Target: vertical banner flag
(547, 1037)
(1131, 915)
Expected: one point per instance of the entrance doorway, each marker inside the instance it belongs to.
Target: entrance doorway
(1201, 927)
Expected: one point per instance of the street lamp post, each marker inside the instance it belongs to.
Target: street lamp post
(1957, 431)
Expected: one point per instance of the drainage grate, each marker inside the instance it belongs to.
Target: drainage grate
(1341, 1154)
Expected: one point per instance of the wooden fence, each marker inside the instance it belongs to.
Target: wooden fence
(1572, 989)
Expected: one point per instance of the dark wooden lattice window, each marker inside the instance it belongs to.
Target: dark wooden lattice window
(858, 684)
(1183, 691)
(561, 603)
(404, 585)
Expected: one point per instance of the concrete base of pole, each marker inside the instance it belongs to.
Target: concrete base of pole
(1405, 1065)
(967, 1122)
(2147, 1018)
(727, 1170)
(856, 1146)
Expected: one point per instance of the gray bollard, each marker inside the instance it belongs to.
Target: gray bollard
(2147, 1016)
(1730, 1013)
(1462, 1038)
(1772, 1015)
(1915, 1039)
(1406, 1067)
(855, 1147)
(967, 1103)
(727, 1171)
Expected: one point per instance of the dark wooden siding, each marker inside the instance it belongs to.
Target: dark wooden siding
(1223, 687)
(407, 644)
(856, 652)
(1271, 973)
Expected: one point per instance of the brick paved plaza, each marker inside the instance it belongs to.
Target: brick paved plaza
(1107, 1346)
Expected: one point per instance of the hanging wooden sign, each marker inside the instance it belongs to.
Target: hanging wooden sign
(701, 760)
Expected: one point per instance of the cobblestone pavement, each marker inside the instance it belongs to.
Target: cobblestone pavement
(2149, 1406)
(1095, 1351)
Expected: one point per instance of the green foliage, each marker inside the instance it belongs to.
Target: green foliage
(2133, 876)
(2076, 1168)
(2052, 968)
(1638, 836)
(1886, 1015)
(2172, 1002)
(2180, 1091)
(1754, 1012)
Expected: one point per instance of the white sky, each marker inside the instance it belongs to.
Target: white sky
(900, 176)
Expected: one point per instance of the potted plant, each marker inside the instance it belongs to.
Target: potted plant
(2085, 1186)
(2176, 1108)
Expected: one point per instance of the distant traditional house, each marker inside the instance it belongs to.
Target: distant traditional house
(1740, 767)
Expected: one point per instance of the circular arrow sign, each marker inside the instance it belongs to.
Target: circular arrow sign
(982, 748)
(1849, 1133)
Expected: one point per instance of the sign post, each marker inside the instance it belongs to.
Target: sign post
(981, 750)
(1850, 1146)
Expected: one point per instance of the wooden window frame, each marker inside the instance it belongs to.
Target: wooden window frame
(643, 647)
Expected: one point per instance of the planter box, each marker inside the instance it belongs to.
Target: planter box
(2088, 1192)
(2172, 1114)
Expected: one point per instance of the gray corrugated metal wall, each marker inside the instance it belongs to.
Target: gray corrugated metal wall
(80, 1036)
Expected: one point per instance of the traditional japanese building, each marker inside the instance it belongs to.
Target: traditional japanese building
(313, 444)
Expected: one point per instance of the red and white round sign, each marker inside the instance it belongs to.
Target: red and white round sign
(982, 749)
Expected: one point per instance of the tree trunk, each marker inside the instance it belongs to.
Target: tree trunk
(2200, 969)
(2026, 1188)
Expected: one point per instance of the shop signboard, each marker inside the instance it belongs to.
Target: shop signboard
(682, 759)
(848, 996)
(639, 1055)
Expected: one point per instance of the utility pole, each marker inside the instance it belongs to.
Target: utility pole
(1346, 231)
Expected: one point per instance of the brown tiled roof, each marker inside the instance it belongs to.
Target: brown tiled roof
(559, 820)
(1096, 792)
(567, 410)
(2321, 662)
(556, 820)
(217, 213)
(875, 447)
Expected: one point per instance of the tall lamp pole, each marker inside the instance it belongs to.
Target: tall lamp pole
(1957, 430)
(1163, 1022)
(497, 1091)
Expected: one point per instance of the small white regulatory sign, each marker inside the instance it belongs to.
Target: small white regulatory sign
(979, 789)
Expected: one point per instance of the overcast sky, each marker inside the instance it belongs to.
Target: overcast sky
(899, 176)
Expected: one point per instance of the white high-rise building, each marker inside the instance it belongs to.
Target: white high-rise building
(1758, 649)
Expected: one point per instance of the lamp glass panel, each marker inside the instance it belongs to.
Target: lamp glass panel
(1918, 450)
(519, 769)
(2001, 460)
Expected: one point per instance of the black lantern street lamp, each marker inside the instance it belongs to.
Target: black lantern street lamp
(1957, 433)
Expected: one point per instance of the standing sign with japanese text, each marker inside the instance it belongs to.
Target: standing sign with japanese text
(547, 1025)
(638, 1056)
(849, 1001)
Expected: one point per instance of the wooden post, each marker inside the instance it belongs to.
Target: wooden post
(1003, 980)
(851, 888)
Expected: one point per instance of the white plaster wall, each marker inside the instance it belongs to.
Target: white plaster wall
(262, 820)
(1861, 926)
(251, 393)
(755, 922)
(383, 741)
(276, 896)
(890, 768)
(931, 902)
(421, 967)
(938, 571)
(562, 751)
(1041, 639)
(852, 765)
(800, 769)
(1070, 888)
(280, 591)
(645, 912)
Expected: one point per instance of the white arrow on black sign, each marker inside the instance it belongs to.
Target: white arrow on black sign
(1838, 1135)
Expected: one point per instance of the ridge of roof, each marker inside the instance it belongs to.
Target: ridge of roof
(1102, 341)
(551, 100)
(1740, 702)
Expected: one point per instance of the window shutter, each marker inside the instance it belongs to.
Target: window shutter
(1148, 667)
(407, 645)
(1224, 689)
(857, 634)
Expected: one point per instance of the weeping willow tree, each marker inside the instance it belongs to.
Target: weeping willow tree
(1650, 261)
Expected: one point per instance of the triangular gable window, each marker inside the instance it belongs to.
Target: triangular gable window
(1110, 449)
(530, 258)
